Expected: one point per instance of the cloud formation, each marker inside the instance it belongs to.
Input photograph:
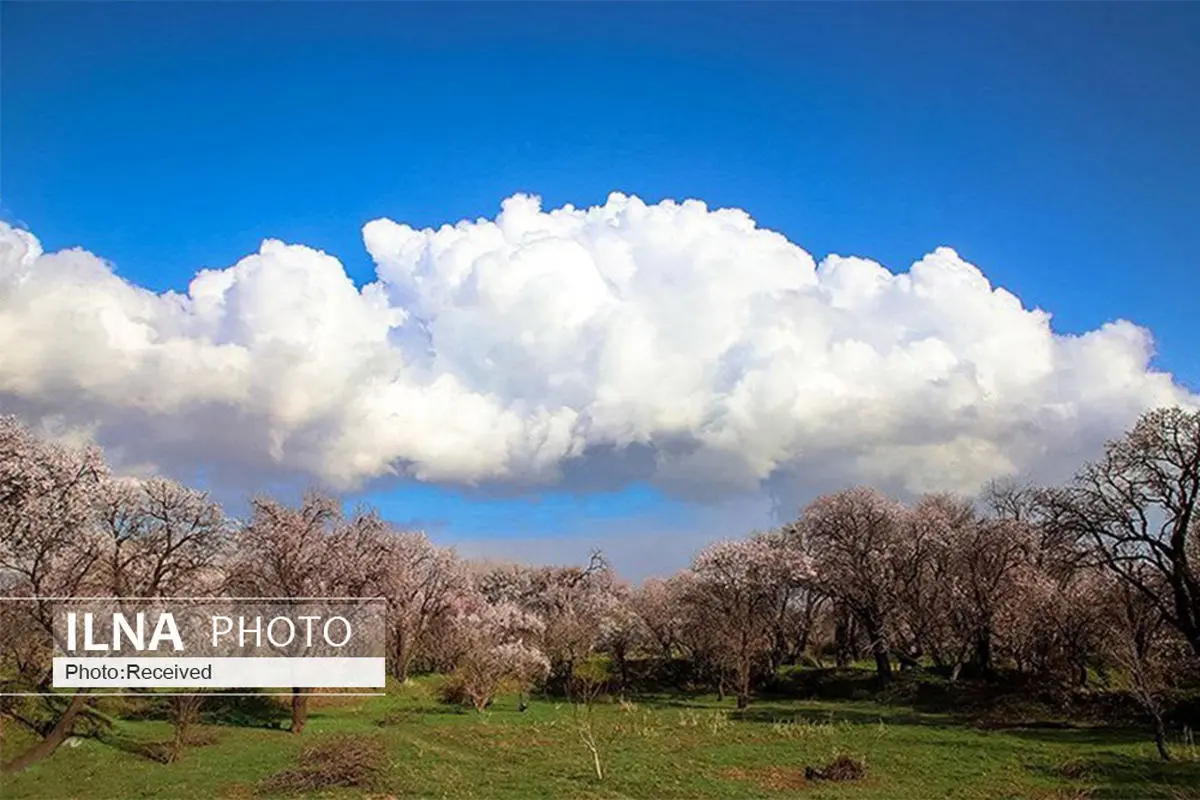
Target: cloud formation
(669, 343)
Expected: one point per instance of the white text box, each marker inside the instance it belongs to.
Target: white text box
(219, 673)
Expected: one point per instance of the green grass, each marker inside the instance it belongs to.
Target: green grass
(657, 747)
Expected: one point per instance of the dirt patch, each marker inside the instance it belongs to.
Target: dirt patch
(773, 778)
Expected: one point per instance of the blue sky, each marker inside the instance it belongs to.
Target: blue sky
(1054, 145)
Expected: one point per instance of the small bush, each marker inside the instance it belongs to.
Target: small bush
(144, 708)
(842, 768)
(132, 707)
(424, 688)
(453, 691)
(246, 711)
(353, 762)
(204, 736)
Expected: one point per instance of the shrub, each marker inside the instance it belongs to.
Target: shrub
(147, 706)
(155, 707)
(453, 691)
(247, 711)
(204, 736)
(344, 761)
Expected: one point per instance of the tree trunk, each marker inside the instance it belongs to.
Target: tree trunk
(402, 656)
(50, 743)
(841, 634)
(1160, 737)
(883, 664)
(622, 668)
(779, 652)
(744, 672)
(299, 709)
(1186, 594)
(185, 710)
(983, 652)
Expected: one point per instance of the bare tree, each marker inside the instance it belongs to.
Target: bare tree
(1148, 652)
(48, 544)
(1137, 508)
(588, 680)
(185, 712)
(160, 539)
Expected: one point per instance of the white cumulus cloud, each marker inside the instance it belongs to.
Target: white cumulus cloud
(667, 342)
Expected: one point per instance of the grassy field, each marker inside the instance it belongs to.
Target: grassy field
(656, 747)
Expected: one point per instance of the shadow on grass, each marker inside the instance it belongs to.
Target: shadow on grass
(769, 712)
(1114, 775)
(401, 716)
(773, 711)
(250, 710)
(1089, 735)
(158, 751)
(887, 716)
